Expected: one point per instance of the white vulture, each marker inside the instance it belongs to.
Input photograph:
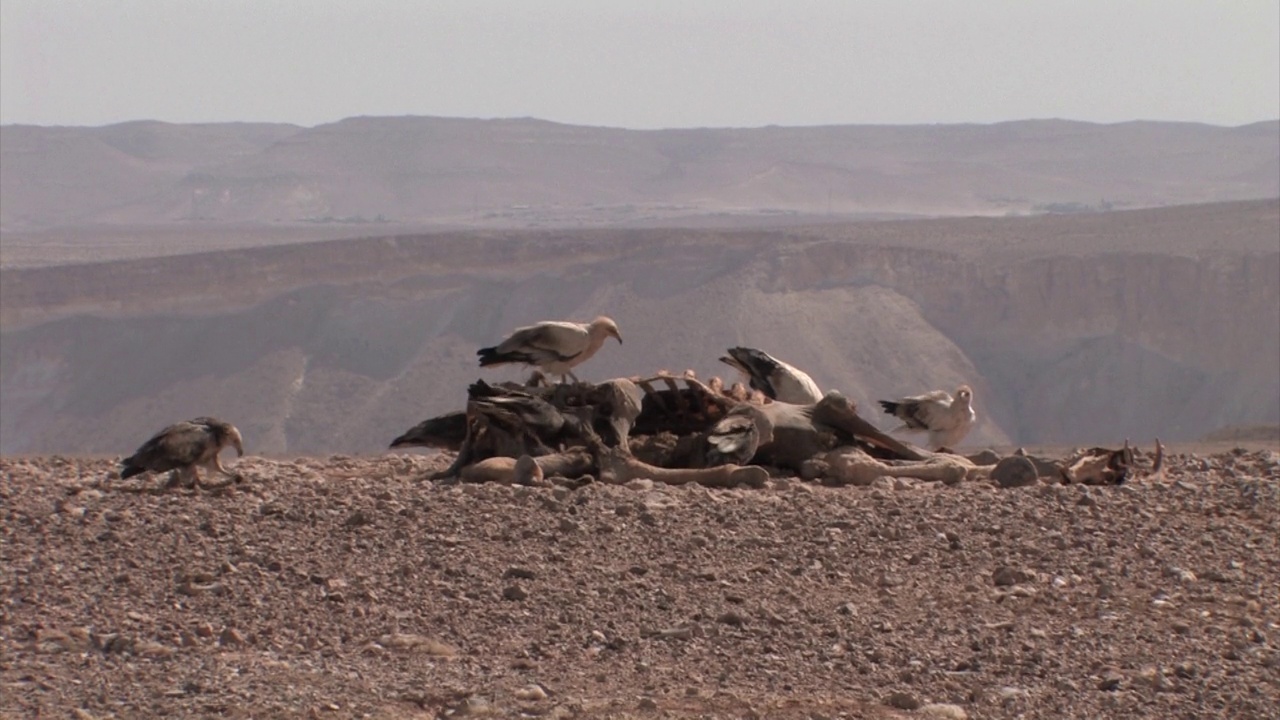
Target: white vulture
(774, 378)
(947, 420)
(183, 447)
(553, 346)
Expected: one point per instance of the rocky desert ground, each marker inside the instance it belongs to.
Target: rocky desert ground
(349, 587)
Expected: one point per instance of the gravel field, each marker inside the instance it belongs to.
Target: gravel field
(348, 587)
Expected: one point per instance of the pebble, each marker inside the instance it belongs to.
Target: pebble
(732, 618)
(1005, 576)
(944, 711)
(1110, 681)
(902, 701)
(520, 573)
(1014, 472)
(531, 693)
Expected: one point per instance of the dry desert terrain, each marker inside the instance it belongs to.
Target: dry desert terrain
(348, 587)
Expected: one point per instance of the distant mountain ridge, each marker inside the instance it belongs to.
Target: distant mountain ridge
(525, 172)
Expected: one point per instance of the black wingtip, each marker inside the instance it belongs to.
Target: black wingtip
(889, 407)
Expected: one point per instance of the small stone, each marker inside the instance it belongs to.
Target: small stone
(1013, 472)
(230, 637)
(1110, 681)
(732, 618)
(902, 701)
(531, 693)
(1008, 692)
(985, 457)
(890, 580)
(514, 592)
(1005, 576)
(520, 573)
(944, 711)
(153, 650)
(357, 519)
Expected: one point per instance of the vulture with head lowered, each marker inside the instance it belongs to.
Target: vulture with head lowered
(184, 447)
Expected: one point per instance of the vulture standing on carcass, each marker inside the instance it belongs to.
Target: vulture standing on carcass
(553, 346)
(947, 420)
(774, 378)
(184, 447)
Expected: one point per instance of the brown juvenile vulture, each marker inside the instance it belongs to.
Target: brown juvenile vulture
(946, 419)
(183, 447)
(553, 346)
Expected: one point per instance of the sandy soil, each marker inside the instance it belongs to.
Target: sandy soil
(347, 587)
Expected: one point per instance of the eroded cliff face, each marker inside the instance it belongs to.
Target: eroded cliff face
(341, 346)
(1088, 348)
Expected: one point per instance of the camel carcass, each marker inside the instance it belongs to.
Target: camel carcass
(650, 425)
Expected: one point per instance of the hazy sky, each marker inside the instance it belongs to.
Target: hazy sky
(640, 63)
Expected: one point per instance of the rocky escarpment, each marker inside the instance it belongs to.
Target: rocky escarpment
(1084, 348)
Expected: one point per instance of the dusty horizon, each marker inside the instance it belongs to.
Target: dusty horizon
(520, 118)
(661, 65)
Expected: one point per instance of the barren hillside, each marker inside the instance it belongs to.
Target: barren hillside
(1071, 328)
(524, 172)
